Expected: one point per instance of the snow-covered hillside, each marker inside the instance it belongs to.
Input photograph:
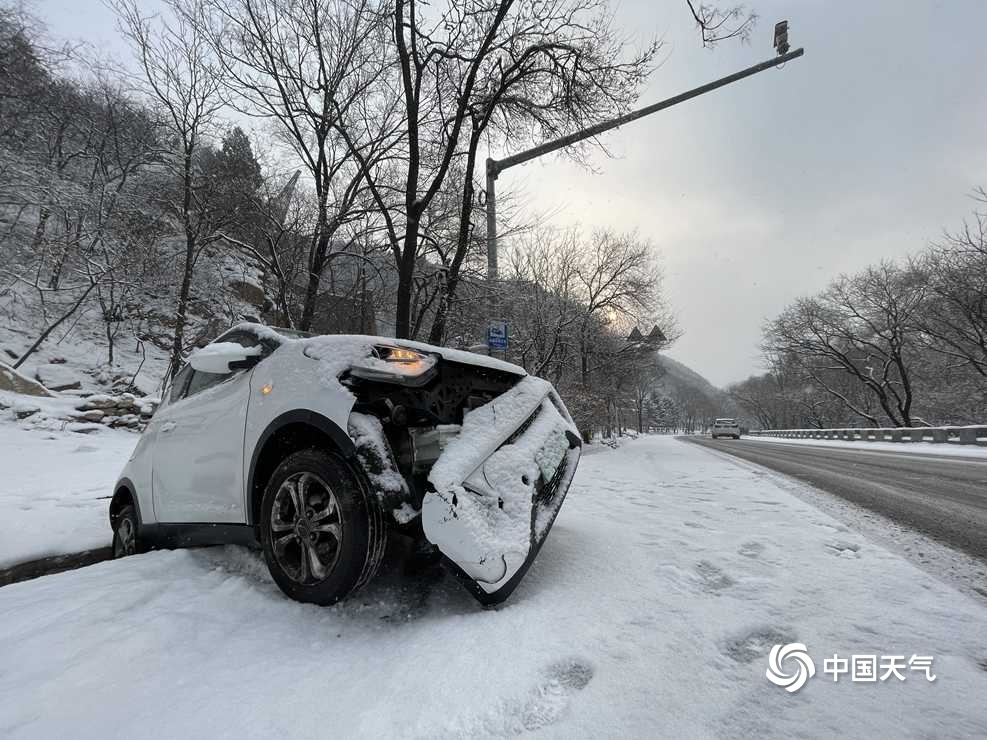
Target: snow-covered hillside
(650, 613)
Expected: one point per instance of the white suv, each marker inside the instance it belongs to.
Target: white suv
(726, 428)
(317, 448)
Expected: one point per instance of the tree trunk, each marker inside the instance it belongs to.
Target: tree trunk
(311, 294)
(437, 335)
(406, 276)
(39, 229)
(181, 313)
(316, 266)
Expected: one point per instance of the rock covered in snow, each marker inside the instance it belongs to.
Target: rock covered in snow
(11, 380)
(57, 377)
(124, 410)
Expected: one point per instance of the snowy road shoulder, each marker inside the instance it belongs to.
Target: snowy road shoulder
(650, 612)
(55, 488)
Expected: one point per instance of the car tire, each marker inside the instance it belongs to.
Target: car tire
(331, 545)
(125, 532)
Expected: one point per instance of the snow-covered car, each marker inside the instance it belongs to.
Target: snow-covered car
(725, 428)
(317, 448)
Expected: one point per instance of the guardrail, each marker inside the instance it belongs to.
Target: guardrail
(969, 435)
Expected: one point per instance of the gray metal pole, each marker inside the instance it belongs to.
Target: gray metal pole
(495, 166)
(491, 220)
(493, 291)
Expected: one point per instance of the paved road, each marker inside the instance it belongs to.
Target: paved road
(940, 496)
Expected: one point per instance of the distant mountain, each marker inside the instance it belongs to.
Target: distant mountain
(696, 401)
(682, 373)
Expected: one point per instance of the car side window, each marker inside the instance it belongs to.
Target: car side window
(202, 380)
(179, 383)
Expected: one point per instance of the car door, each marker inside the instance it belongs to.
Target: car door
(197, 461)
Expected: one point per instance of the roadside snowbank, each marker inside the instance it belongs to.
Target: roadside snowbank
(650, 612)
(906, 448)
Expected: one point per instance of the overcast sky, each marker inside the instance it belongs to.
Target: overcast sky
(761, 192)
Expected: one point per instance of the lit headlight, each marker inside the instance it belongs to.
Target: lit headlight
(396, 365)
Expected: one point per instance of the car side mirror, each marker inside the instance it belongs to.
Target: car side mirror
(222, 358)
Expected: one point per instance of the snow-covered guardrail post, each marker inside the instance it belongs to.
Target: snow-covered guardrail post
(968, 435)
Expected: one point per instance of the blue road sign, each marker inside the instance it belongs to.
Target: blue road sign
(497, 334)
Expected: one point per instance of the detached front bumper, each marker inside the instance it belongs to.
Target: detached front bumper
(499, 486)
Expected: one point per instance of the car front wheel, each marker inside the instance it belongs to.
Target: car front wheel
(125, 532)
(322, 531)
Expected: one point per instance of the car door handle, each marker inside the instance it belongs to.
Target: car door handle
(168, 426)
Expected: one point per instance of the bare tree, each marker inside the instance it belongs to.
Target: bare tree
(555, 67)
(717, 23)
(455, 66)
(955, 273)
(618, 283)
(543, 310)
(861, 326)
(180, 74)
(571, 303)
(310, 68)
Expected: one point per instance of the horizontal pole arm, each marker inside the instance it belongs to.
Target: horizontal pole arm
(496, 166)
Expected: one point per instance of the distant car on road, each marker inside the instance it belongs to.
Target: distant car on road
(319, 448)
(725, 428)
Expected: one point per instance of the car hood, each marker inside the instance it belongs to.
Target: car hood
(457, 355)
(362, 344)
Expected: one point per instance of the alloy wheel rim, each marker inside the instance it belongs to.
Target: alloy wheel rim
(306, 530)
(127, 541)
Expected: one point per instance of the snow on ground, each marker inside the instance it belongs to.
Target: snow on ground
(649, 613)
(55, 488)
(920, 448)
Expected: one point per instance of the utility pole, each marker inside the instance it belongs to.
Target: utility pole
(496, 166)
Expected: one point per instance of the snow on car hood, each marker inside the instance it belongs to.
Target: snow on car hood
(357, 346)
(456, 355)
(339, 351)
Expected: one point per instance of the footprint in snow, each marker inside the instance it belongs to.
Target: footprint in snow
(756, 644)
(830, 527)
(551, 697)
(843, 549)
(713, 579)
(751, 549)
